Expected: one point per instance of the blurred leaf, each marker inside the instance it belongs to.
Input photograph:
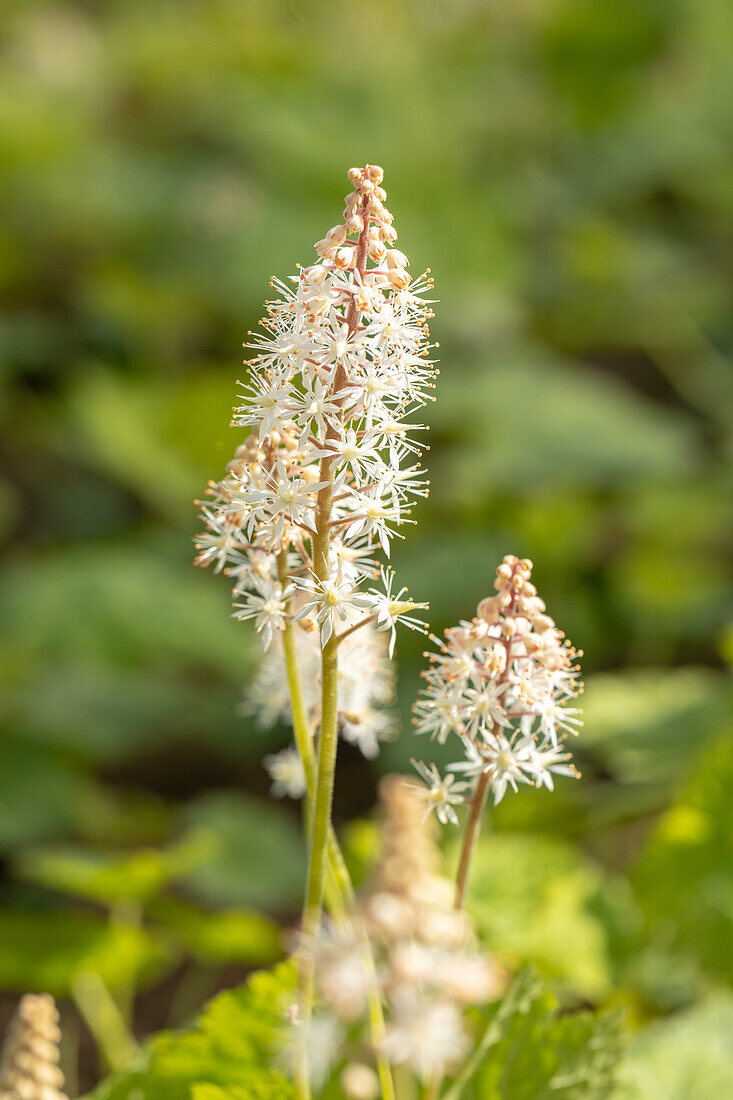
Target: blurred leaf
(105, 648)
(257, 856)
(137, 607)
(225, 936)
(687, 1057)
(585, 430)
(684, 879)
(234, 1045)
(44, 951)
(125, 429)
(255, 1091)
(40, 794)
(649, 725)
(533, 897)
(107, 877)
(360, 844)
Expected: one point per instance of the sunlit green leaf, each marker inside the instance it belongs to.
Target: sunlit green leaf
(684, 879)
(222, 936)
(528, 1051)
(235, 1045)
(539, 901)
(47, 950)
(687, 1057)
(107, 877)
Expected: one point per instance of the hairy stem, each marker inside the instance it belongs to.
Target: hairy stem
(339, 889)
(470, 838)
(320, 826)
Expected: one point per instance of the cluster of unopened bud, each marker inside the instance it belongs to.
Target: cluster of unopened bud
(29, 1067)
(522, 616)
(367, 218)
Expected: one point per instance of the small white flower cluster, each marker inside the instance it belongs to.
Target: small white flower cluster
(366, 691)
(326, 476)
(501, 683)
(427, 966)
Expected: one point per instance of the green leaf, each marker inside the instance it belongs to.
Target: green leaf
(231, 1052)
(47, 950)
(119, 427)
(115, 605)
(648, 725)
(576, 421)
(40, 794)
(530, 1051)
(225, 936)
(255, 1090)
(684, 879)
(686, 1057)
(537, 900)
(257, 855)
(107, 649)
(107, 877)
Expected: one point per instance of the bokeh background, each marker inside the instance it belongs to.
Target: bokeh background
(564, 167)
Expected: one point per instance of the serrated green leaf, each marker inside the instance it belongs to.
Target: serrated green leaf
(530, 1051)
(235, 1045)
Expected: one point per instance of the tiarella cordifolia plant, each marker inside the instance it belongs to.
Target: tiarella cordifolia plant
(501, 684)
(428, 968)
(324, 481)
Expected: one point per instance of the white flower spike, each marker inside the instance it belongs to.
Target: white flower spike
(501, 683)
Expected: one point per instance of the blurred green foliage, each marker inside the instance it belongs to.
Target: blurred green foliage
(564, 168)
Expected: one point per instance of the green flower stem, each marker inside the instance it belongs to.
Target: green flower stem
(102, 1015)
(470, 838)
(340, 892)
(405, 1082)
(321, 822)
(432, 1089)
(126, 913)
(339, 889)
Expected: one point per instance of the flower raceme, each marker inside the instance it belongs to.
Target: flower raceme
(327, 474)
(321, 485)
(502, 684)
(428, 966)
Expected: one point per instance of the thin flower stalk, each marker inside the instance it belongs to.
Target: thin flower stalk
(501, 684)
(339, 889)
